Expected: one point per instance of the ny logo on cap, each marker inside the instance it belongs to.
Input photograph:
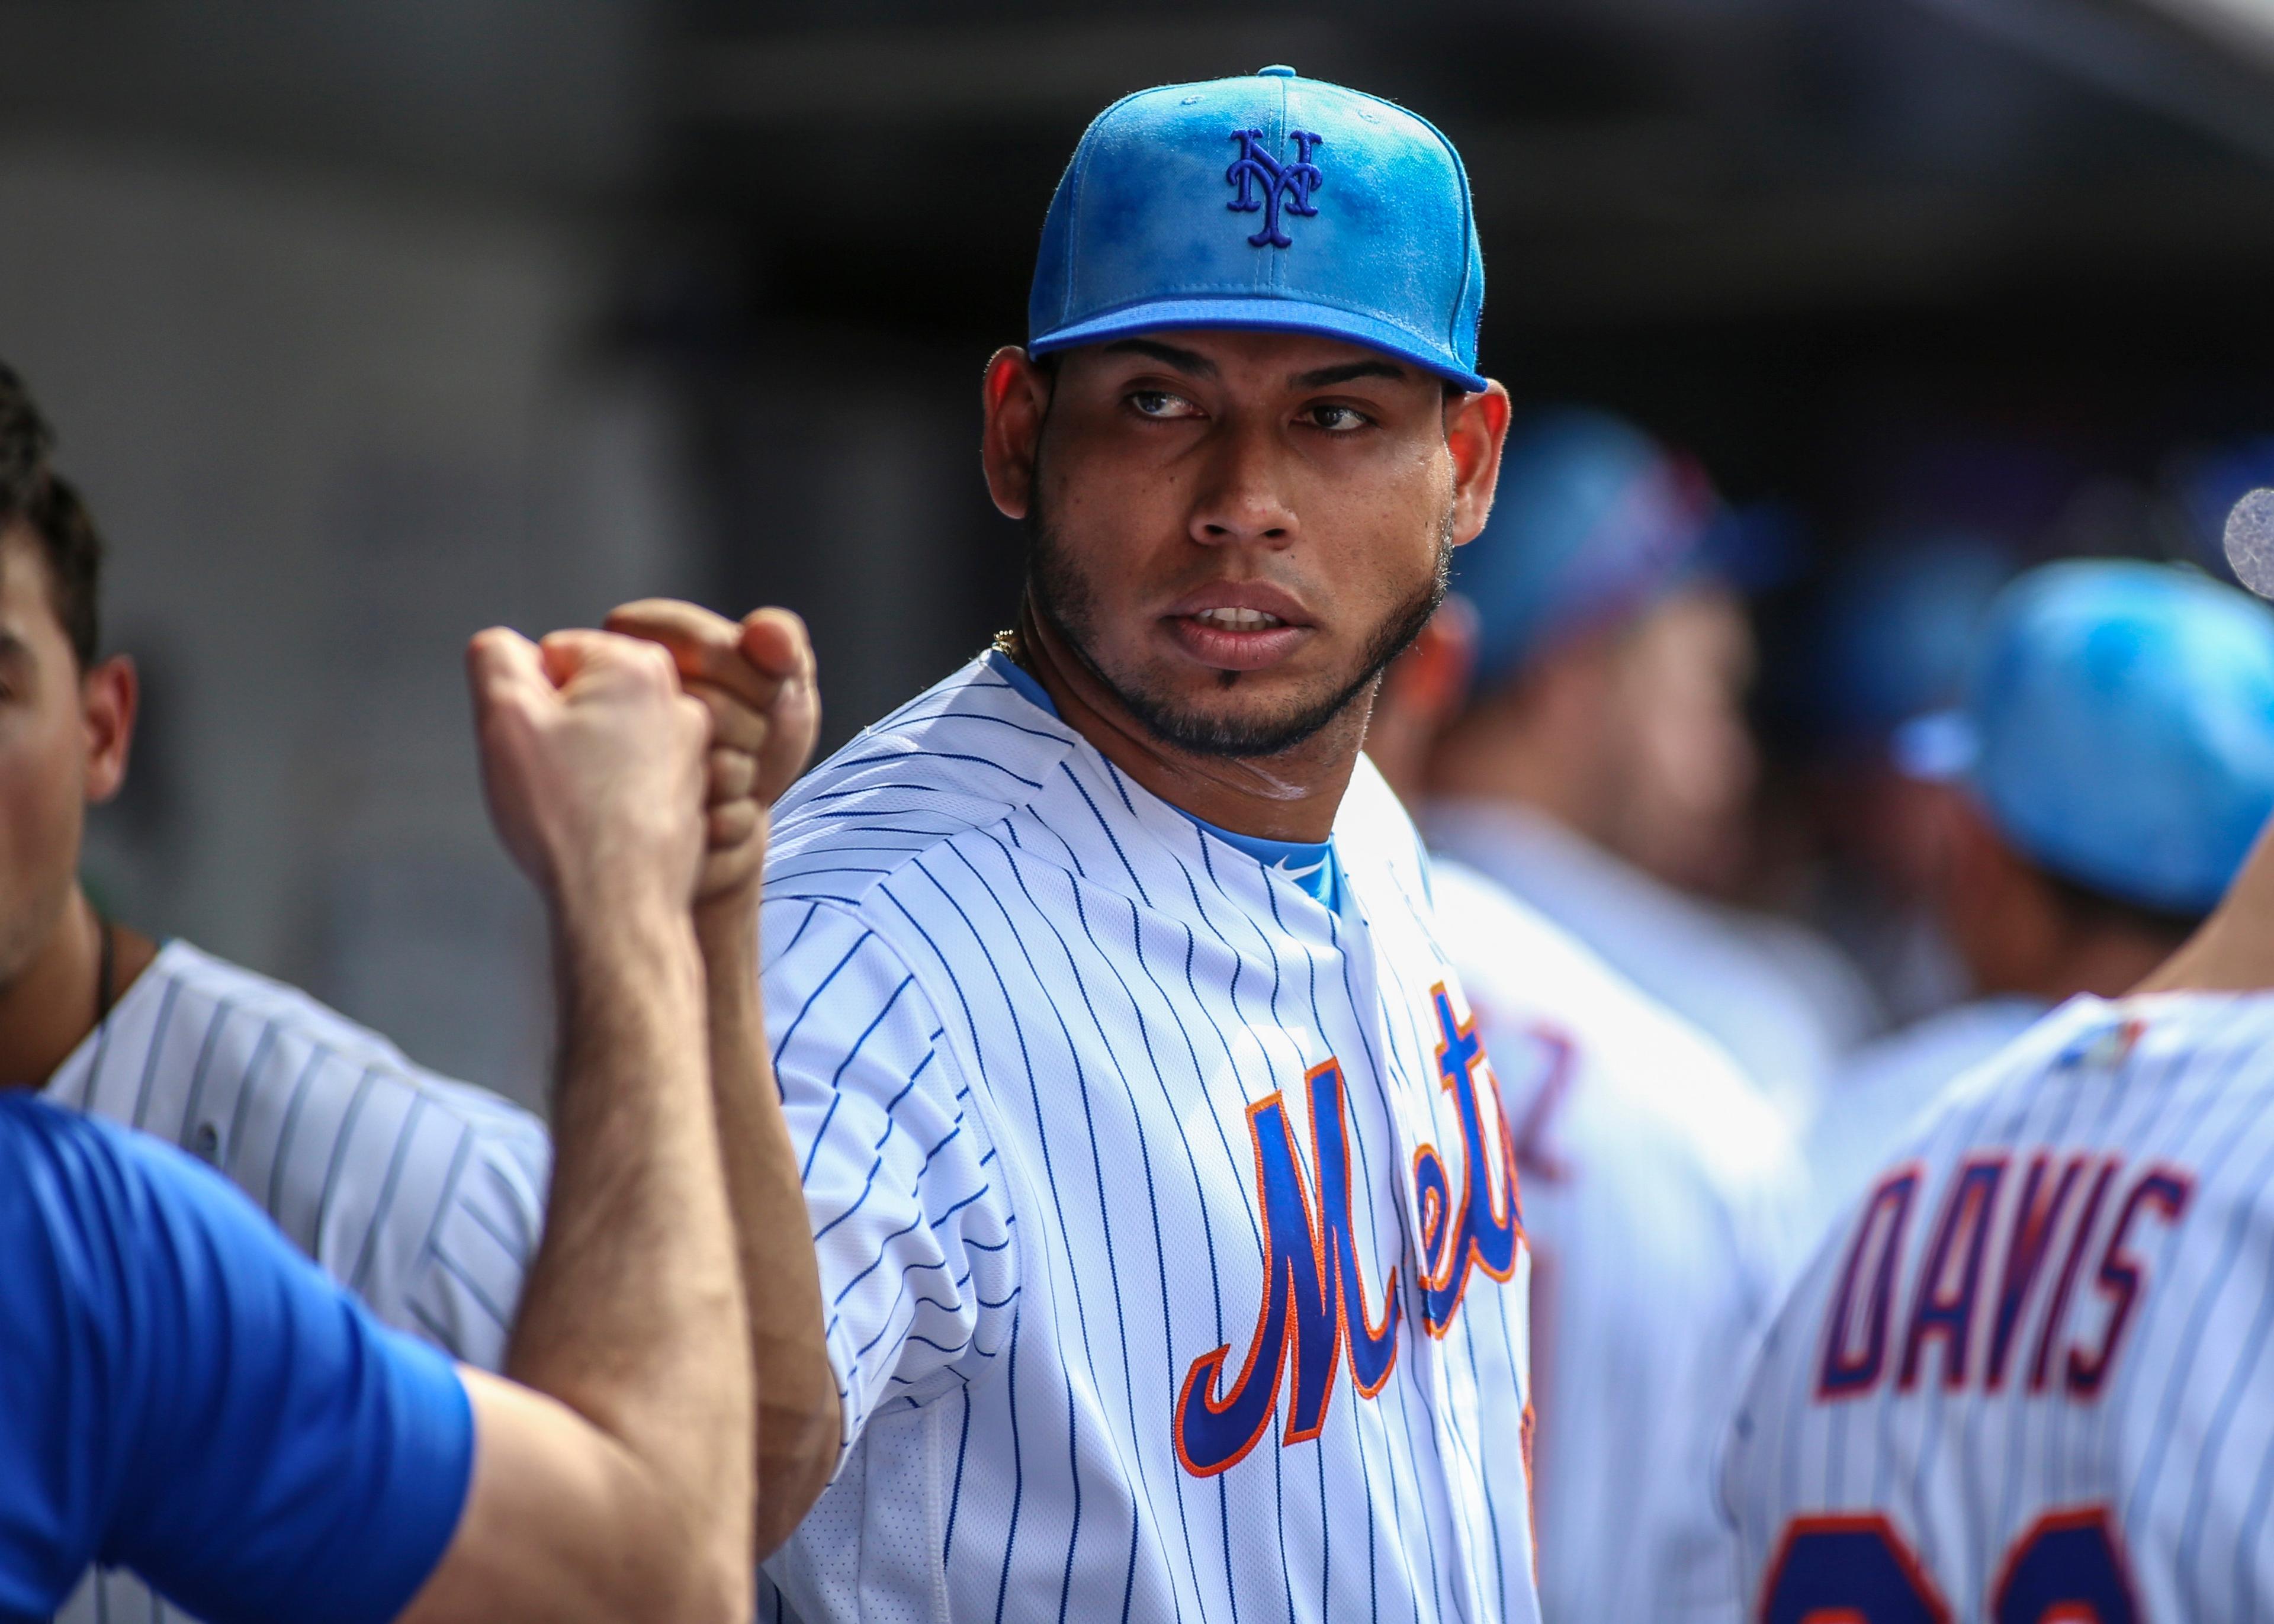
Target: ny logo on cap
(1291, 182)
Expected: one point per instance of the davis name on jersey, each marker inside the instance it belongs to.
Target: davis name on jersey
(1168, 1224)
(2027, 1377)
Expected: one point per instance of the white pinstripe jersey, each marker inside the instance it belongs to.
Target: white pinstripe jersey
(1063, 1070)
(2027, 1378)
(1659, 1196)
(1887, 1084)
(423, 1196)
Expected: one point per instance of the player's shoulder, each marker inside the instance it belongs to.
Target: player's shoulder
(1373, 829)
(964, 755)
(422, 1194)
(84, 1203)
(74, 1179)
(1482, 922)
(1888, 1082)
(1661, 1074)
(2174, 1045)
(239, 1018)
(40, 1140)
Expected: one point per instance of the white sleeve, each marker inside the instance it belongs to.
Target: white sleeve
(911, 1221)
(466, 1288)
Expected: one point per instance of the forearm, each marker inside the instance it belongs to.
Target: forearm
(798, 1411)
(633, 1312)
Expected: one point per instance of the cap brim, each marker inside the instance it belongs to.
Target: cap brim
(1938, 748)
(1261, 314)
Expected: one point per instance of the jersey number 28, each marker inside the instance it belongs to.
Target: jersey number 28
(2066, 1569)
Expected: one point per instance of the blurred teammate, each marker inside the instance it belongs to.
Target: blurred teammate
(1602, 767)
(1892, 639)
(182, 1393)
(1166, 1218)
(423, 1196)
(2026, 1377)
(1659, 1192)
(2113, 758)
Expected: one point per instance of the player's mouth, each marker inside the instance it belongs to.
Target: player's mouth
(1238, 626)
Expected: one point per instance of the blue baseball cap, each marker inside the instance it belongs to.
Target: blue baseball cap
(1594, 521)
(1894, 635)
(1270, 202)
(2118, 728)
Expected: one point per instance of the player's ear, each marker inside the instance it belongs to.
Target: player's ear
(1475, 427)
(1015, 396)
(110, 694)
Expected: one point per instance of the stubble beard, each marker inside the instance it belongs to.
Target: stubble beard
(1063, 596)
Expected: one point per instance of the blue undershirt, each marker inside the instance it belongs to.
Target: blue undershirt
(1310, 864)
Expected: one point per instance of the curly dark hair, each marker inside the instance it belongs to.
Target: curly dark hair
(34, 495)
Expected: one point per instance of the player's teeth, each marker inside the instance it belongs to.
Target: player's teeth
(1239, 620)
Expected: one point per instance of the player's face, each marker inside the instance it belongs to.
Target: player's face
(1684, 757)
(1237, 531)
(53, 756)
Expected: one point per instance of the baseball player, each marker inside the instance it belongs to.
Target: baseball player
(1890, 639)
(2076, 853)
(2025, 1377)
(1170, 1259)
(423, 1195)
(1659, 1195)
(1602, 766)
(182, 1393)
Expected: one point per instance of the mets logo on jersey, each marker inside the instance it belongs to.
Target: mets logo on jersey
(1316, 1303)
(1265, 182)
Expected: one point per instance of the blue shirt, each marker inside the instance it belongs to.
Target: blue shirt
(1309, 863)
(184, 1394)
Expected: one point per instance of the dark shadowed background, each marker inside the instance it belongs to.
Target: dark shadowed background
(369, 323)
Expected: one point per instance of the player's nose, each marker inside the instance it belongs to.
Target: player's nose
(1241, 498)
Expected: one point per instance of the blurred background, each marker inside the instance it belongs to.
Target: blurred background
(364, 325)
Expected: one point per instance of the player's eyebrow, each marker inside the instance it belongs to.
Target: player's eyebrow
(1189, 361)
(1327, 377)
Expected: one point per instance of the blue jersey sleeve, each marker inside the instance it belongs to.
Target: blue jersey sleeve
(184, 1394)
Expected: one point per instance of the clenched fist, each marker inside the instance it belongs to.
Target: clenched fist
(757, 678)
(593, 763)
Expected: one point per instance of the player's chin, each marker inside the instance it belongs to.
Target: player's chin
(1242, 714)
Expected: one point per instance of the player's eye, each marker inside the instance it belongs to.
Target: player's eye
(1161, 404)
(1337, 419)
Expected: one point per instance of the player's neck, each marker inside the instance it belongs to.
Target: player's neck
(2105, 964)
(2233, 950)
(1506, 752)
(48, 1009)
(1291, 796)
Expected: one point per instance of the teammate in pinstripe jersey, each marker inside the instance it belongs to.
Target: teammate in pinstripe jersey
(2027, 1377)
(1171, 1265)
(423, 1195)
(1662, 1200)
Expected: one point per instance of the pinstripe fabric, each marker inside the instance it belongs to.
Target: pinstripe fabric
(2169, 1436)
(1661, 1198)
(1021, 1012)
(423, 1195)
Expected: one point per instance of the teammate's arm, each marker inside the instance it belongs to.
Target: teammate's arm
(757, 678)
(614, 1481)
(183, 1393)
